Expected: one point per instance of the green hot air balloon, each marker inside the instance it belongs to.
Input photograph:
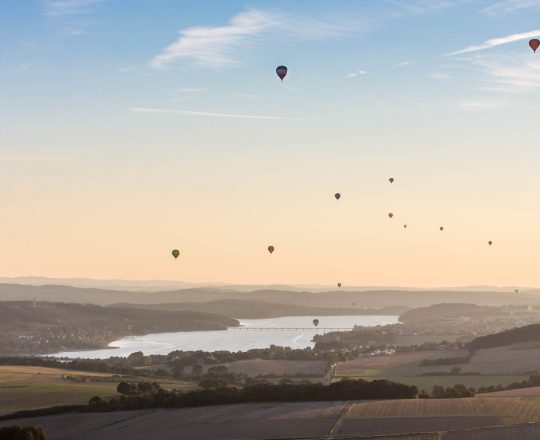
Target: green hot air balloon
(175, 253)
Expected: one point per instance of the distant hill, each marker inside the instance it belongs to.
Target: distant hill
(45, 327)
(448, 311)
(516, 335)
(239, 308)
(330, 299)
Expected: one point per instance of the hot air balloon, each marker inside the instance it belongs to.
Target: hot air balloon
(405, 226)
(535, 44)
(315, 322)
(516, 290)
(490, 242)
(281, 72)
(390, 215)
(175, 253)
(337, 196)
(270, 249)
(391, 180)
(441, 228)
(339, 284)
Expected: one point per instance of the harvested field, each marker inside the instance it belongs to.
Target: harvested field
(504, 360)
(506, 410)
(520, 392)
(255, 367)
(255, 421)
(401, 364)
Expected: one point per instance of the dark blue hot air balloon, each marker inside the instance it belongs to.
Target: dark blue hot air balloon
(281, 72)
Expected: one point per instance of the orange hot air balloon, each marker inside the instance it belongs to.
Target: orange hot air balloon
(390, 214)
(535, 44)
(391, 180)
(270, 249)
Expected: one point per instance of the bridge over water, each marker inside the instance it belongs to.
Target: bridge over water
(291, 329)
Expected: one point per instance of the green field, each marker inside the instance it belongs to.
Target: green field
(23, 387)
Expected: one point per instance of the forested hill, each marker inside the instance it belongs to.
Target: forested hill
(449, 311)
(527, 333)
(45, 327)
(237, 308)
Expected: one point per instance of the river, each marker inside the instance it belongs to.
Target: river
(232, 339)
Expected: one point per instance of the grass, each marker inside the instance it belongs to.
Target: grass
(23, 387)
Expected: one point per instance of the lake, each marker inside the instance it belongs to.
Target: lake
(232, 339)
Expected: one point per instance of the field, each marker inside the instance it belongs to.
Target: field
(304, 420)
(254, 367)
(37, 387)
(497, 366)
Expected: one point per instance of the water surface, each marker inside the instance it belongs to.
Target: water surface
(233, 339)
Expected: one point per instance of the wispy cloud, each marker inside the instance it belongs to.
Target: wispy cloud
(215, 46)
(355, 74)
(211, 114)
(421, 6)
(484, 105)
(496, 42)
(403, 63)
(509, 6)
(509, 74)
(188, 90)
(69, 7)
(440, 75)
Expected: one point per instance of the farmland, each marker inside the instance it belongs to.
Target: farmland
(255, 367)
(302, 419)
(37, 387)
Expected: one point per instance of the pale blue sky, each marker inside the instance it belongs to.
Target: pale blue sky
(130, 127)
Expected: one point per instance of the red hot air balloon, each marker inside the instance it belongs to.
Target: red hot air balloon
(281, 72)
(535, 44)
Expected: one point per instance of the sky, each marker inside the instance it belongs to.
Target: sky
(131, 128)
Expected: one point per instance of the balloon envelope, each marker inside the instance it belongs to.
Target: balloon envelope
(339, 284)
(270, 249)
(175, 253)
(391, 180)
(315, 322)
(405, 226)
(337, 196)
(441, 228)
(390, 215)
(281, 72)
(535, 44)
(490, 242)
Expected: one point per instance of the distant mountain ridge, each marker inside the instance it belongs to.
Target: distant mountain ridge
(329, 299)
(161, 285)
